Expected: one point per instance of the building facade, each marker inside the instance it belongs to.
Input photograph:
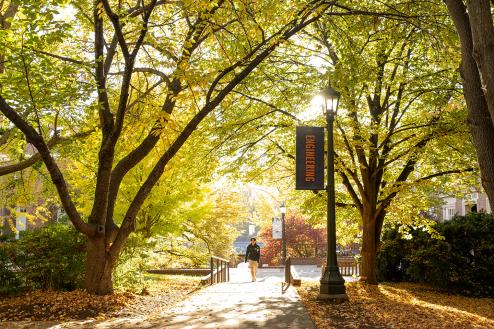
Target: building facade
(473, 202)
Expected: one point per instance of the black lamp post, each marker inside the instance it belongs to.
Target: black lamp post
(332, 283)
(283, 236)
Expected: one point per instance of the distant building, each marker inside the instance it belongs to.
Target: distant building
(473, 202)
(248, 230)
(17, 217)
(13, 223)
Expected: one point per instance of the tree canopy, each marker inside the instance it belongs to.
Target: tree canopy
(133, 110)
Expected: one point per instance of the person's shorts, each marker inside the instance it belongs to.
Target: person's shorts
(253, 264)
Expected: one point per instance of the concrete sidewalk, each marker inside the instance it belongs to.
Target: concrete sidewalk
(241, 303)
(236, 304)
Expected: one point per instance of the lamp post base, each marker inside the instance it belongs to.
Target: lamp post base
(332, 285)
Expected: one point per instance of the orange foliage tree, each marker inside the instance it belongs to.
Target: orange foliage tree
(302, 240)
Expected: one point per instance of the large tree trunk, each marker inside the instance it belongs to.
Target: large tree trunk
(99, 267)
(482, 132)
(369, 249)
(481, 112)
(479, 118)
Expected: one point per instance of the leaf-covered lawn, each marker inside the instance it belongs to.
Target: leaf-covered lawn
(162, 292)
(398, 305)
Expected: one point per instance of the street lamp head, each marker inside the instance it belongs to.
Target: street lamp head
(283, 208)
(331, 99)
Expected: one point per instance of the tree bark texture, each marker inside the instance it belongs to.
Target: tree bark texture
(369, 249)
(99, 267)
(476, 32)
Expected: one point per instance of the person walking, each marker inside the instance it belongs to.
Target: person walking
(253, 255)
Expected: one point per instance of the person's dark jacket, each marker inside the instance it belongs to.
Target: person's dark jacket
(253, 252)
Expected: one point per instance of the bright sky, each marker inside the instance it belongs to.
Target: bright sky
(66, 13)
(313, 110)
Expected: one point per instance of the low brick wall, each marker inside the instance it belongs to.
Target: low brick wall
(182, 271)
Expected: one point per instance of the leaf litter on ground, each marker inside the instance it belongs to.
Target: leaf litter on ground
(39, 305)
(397, 305)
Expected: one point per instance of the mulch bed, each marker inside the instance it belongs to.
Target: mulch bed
(397, 305)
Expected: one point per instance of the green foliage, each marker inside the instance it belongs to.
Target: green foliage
(177, 230)
(462, 261)
(10, 281)
(390, 260)
(250, 131)
(398, 107)
(134, 260)
(51, 257)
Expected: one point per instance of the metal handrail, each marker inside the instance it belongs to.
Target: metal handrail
(220, 270)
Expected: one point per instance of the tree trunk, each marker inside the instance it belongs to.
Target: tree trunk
(481, 111)
(482, 132)
(482, 29)
(99, 267)
(369, 249)
(479, 119)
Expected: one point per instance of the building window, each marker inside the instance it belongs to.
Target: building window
(448, 213)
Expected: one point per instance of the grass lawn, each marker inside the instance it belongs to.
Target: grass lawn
(162, 292)
(397, 305)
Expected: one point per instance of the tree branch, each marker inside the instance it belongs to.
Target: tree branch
(8, 169)
(56, 175)
(62, 58)
(443, 173)
(128, 224)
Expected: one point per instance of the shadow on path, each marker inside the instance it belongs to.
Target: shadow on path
(236, 304)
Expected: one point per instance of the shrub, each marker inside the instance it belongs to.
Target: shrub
(463, 262)
(132, 263)
(391, 257)
(11, 282)
(138, 255)
(51, 257)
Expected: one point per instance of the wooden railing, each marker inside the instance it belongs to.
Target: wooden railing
(219, 271)
(348, 267)
(346, 264)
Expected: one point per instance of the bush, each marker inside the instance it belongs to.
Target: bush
(11, 282)
(391, 257)
(51, 257)
(141, 254)
(463, 262)
(134, 260)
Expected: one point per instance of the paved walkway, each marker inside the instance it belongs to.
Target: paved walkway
(242, 304)
(235, 304)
